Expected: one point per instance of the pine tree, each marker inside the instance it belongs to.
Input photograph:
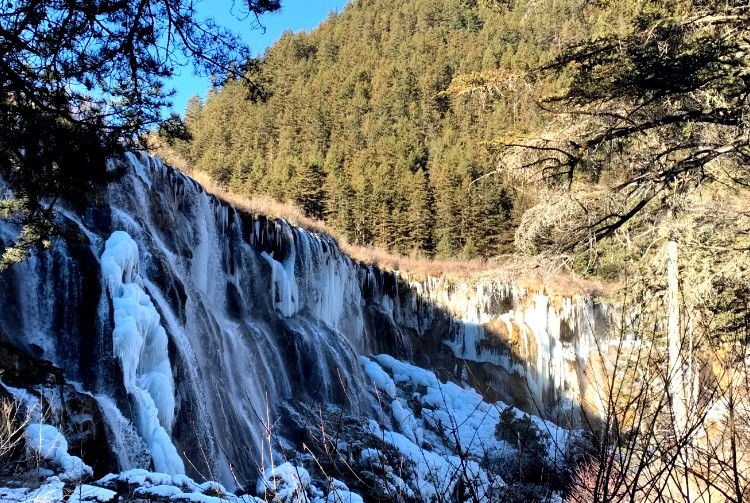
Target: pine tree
(380, 84)
(421, 213)
(309, 189)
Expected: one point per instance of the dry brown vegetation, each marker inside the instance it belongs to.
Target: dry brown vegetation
(12, 424)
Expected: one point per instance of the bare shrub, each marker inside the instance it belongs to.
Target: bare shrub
(12, 425)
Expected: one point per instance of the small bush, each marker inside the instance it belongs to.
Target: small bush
(12, 424)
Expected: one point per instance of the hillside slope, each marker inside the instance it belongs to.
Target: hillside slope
(359, 130)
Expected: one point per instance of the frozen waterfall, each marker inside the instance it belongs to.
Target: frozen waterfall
(198, 327)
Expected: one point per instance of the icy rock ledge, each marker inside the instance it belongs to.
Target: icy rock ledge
(285, 483)
(162, 487)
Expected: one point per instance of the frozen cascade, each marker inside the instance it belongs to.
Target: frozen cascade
(129, 448)
(140, 343)
(221, 318)
(283, 284)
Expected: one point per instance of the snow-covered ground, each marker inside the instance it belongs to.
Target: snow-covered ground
(447, 434)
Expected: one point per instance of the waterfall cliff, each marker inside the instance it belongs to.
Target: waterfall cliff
(196, 326)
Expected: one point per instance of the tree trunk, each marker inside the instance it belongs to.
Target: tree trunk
(676, 384)
(680, 375)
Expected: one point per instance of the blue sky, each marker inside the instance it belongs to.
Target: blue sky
(295, 15)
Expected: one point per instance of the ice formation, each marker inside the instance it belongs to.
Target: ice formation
(140, 343)
(49, 444)
(283, 284)
(129, 448)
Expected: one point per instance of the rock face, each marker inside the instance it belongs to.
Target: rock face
(59, 402)
(258, 316)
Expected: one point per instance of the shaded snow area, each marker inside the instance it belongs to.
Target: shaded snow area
(285, 483)
(445, 415)
(290, 483)
(147, 485)
(449, 440)
(435, 441)
(49, 492)
(140, 344)
(53, 491)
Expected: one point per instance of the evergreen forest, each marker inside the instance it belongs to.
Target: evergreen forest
(369, 122)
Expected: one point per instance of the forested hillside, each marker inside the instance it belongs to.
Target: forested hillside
(367, 123)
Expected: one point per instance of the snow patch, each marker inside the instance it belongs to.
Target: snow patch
(444, 431)
(50, 492)
(378, 377)
(342, 496)
(286, 483)
(87, 493)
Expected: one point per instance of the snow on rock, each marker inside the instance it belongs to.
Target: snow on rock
(142, 478)
(342, 496)
(160, 491)
(286, 483)
(370, 455)
(450, 415)
(48, 442)
(434, 477)
(406, 422)
(13, 495)
(173, 488)
(87, 493)
(405, 373)
(379, 378)
(140, 343)
(432, 421)
(49, 492)
(444, 431)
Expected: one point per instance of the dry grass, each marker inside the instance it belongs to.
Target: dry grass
(12, 424)
(262, 205)
(539, 273)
